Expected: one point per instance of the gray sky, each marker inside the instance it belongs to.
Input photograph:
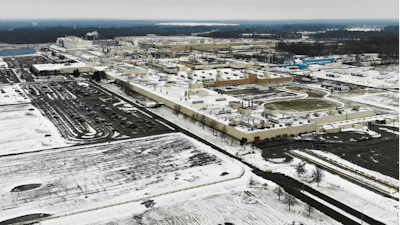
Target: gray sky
(201, 9)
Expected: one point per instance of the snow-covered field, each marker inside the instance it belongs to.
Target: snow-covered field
(389, 100)
(22, 130)
(209, 205)
(257, 206)
(78, 178)
(372, 77)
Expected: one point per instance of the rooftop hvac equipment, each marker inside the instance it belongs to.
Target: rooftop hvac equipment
(220, 99)
(224, 112)
(198, 101)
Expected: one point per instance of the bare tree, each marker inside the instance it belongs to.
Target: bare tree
(265, 185)
(223, 133)
(309, 209)
(317, 175)
(213, 125)
(177, 109)
(203, 120)
(184, 116)
(252, 182)
(195, 117)
(300, 168)
(279, 191)
(290, 200)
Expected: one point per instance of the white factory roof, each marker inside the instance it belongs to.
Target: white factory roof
(41, 67)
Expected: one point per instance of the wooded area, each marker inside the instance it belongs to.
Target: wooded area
(386, 46)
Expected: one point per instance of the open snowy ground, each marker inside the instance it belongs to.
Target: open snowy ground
(23, 128)
(221, 203)
(373, 77)
(78, 178)
(240, 206)
(389, 100)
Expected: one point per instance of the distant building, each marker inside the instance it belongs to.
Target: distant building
(364, 28)
(55, 69)
(71, 42)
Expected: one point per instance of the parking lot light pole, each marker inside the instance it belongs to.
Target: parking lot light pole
(362, 214)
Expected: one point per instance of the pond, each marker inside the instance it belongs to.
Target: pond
(21, 51)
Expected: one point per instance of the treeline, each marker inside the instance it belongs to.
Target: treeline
(288, 33)
(343, 34)
(50, 34)
(46, 35)
(386, 46)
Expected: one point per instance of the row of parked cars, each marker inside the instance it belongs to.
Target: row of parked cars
(84, 90)
(19, 92)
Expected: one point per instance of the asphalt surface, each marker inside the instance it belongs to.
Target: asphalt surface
(89, 114)
(8, 76)
(362, 153)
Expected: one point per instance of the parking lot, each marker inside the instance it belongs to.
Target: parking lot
(377, 154)
(23, 64)
(8, 76)
(84, 113)
(25, 61)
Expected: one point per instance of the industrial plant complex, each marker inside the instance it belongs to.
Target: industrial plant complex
(196, 130)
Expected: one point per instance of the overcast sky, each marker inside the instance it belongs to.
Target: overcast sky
(201, 9)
